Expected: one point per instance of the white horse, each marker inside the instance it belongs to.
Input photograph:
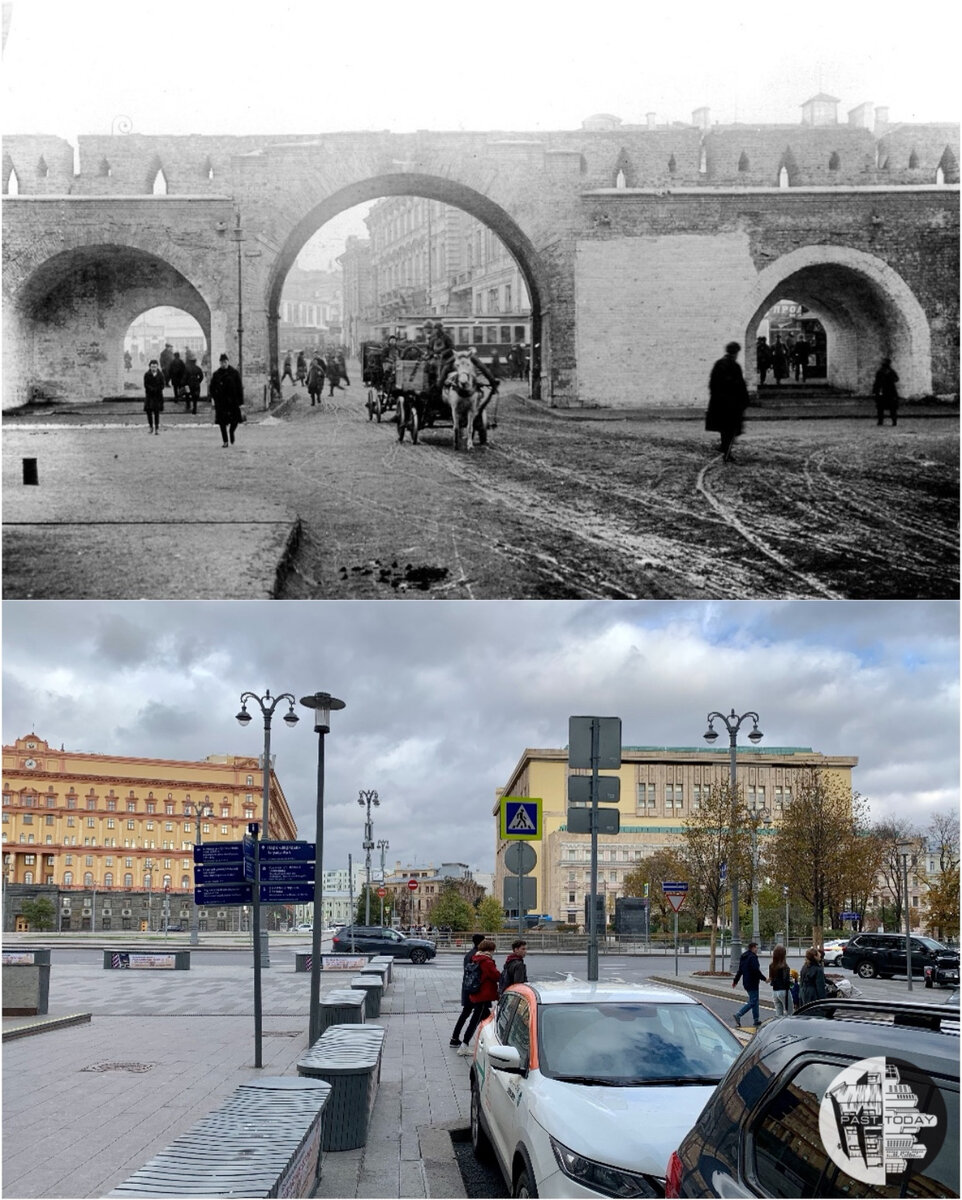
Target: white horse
(464, 393)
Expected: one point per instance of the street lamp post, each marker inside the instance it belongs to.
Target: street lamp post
(149, 864)
(759, 816)
(267, 704)
(733, 724)
(905, 848)
(323, 704)
(383, 845)
(200, 812)
(785, 896)
(368, 798)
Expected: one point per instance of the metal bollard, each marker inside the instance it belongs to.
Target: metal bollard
(30, 471)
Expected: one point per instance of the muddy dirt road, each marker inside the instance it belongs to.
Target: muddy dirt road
(556, 507)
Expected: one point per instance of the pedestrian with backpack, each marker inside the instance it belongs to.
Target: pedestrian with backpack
(485, 992)
(466, 1006)
(514, 970)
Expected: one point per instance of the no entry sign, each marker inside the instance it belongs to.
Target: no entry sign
(412, 885)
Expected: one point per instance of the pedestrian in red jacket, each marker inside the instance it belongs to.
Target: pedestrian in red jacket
(488, 991)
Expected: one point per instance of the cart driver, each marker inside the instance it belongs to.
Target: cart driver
(440, 350)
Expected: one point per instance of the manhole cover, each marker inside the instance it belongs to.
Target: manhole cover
(134, 1068)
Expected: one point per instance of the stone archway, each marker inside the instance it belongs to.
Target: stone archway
(73, 311)
(868, 310)
(430, 187)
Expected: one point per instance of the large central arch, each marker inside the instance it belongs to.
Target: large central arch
(868, 310)
(431, 187)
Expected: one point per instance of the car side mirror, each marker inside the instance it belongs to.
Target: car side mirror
(506, 1058)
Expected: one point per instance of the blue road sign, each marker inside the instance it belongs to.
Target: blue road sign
(723, 872)
(282, 851)
(287, 872)
(287, 893)
(848, 916)
(223, 894)
(219, 852)
(669, 887)
(208, 873)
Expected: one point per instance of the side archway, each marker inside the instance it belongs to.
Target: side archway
(868, 310)
(70, 316)
(430, 187)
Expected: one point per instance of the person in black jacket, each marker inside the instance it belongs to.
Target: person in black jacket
(227, 395)
(780, 977)
(727, 399)
(750, 973)
(514, 970)
(154, 395)
(811, 980)
(466, 1005)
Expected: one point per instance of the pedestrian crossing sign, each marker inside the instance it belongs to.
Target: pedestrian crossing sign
(521, 818)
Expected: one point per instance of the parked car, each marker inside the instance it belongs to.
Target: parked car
(833, 951)
(883, 954)
(776, 1124)
(944, 971)
(305, 927)
(379, 939)
(579, 1089)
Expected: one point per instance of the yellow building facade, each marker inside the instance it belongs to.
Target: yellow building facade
(660, 787)
(116, 824)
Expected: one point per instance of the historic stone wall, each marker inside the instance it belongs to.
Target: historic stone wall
(635, 288)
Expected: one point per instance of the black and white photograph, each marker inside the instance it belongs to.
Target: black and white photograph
(583, 381)
(554, 303)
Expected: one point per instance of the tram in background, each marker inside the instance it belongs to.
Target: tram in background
(485, 334)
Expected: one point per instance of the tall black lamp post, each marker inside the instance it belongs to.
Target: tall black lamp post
(368, 798)
(200, 812)
(323, 704)
(733, 724)
(906, 847)
(267, 704)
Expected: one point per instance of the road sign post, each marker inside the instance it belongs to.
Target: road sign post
(256, 900)
(675, 893)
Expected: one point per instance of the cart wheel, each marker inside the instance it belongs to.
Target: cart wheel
(378, 407)
(371, 404)
(400, 420)
(413, 423)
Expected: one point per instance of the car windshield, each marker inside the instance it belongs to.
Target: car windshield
(631, 1043)
(930, 943)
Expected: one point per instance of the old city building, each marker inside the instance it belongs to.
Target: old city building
(107, 837)
(660, 786)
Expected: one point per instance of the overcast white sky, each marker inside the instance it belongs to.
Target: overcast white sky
(442, 698)
(298, 66)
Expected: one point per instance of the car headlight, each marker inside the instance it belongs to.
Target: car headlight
(600, 1177)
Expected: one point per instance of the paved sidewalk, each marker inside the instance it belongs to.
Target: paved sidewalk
(85, 1106)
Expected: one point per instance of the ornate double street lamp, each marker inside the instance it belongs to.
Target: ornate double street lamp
(759, 816)
(200, 812)
(906, 848)
(323, 704)
(733, 724)
(267, 704)
(368, 798)
(383, 845)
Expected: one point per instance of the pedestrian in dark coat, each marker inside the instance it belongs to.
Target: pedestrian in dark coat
(466, 1005)
(227, 396)
(801, 352)
(763, 359)
(288, 372)
(750, 973)
(177, 376)
(727, 399)
(779, 360)
(811, 979)
(515, 969)
(195, 377)
(166, 358)
(482, 998)
(886, 392)
(301, 367)
(315, 380)
(154, 395)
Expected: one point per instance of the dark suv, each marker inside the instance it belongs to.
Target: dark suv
(883, 954)
(380, 939)
(845, 1098)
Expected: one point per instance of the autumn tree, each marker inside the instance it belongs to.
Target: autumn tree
(40, 912)
(942, 886)
(665, 863)
(888, 835)
(451, 909)
(715, 834)
(490, 915)
(816, 841)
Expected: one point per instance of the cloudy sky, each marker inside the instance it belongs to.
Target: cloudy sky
(298, 66)
(442, 698)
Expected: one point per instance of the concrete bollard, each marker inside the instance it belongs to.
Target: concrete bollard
(30, 471)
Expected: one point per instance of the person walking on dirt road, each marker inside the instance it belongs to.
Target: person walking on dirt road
(727, 399)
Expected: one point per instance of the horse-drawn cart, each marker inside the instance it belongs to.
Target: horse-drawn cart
(422, 403)
(378, 377)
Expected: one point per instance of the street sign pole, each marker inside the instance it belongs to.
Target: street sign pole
(256, 917)
(593, 906)
(676, 941)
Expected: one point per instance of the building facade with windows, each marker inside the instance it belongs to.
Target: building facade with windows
(111, 837)
(660, 786)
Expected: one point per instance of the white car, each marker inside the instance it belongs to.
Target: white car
(833, 951)
(304, 928)
(583, 1089)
